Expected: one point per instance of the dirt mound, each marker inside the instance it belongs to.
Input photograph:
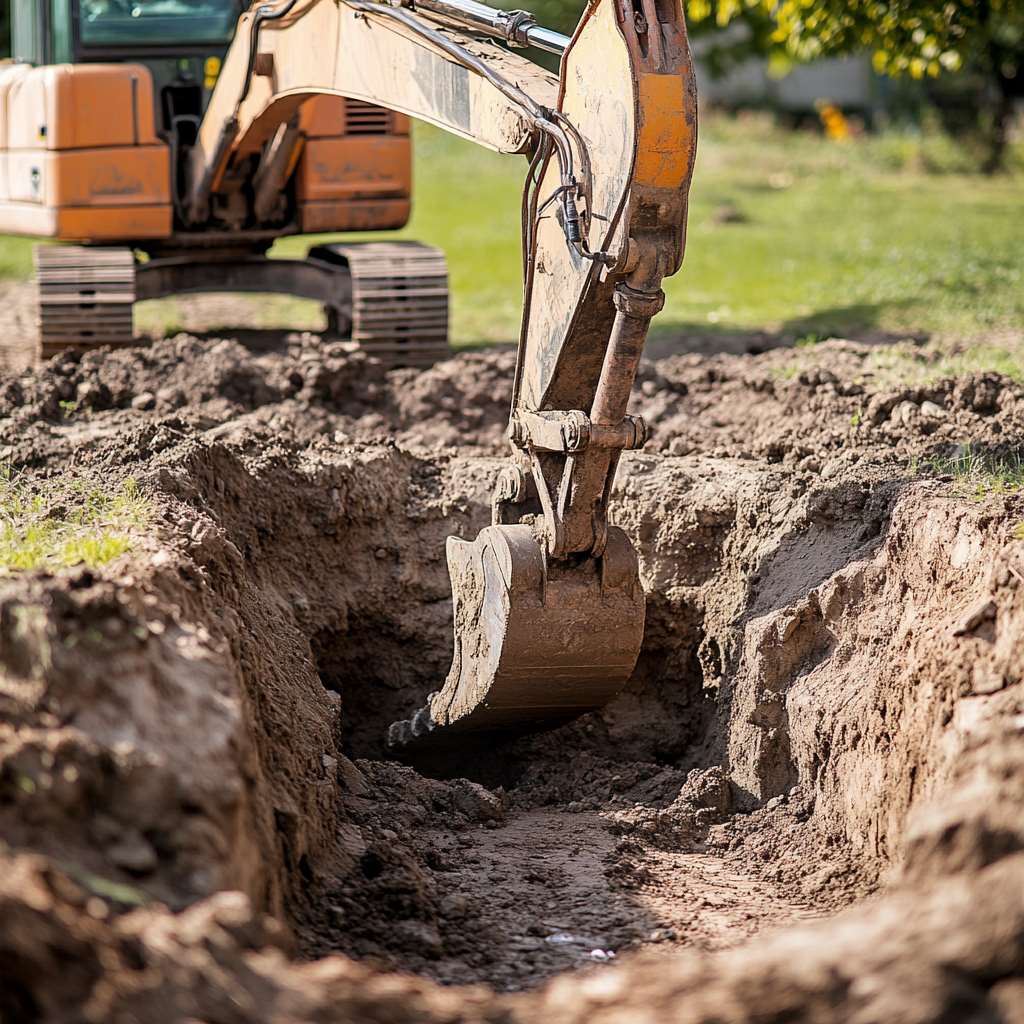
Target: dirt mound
(298, 387)
(199, 817)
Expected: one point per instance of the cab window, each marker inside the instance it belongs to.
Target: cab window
(156, 22)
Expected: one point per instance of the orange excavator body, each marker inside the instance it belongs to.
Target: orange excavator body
(82, 160)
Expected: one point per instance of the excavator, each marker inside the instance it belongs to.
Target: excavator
(192, 164)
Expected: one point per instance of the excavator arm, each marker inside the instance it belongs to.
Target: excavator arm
(549, 610)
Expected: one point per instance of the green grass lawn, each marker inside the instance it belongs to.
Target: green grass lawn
(789, 233)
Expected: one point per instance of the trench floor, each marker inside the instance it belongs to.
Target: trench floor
(565, 893)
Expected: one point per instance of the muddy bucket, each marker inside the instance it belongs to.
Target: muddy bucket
(536, 643)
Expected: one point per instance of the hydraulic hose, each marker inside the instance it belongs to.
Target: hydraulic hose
(263, 14)
(543, 120)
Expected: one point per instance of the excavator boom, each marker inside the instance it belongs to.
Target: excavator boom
(549, 608)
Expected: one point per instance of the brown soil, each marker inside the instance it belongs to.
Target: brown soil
(808, 805)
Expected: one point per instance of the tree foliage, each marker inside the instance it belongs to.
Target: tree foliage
(922, 38)
(919, 37)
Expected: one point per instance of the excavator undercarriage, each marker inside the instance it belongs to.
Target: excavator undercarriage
(389, 298)
(548, 599)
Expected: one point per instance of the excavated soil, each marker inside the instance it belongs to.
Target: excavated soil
(807, 805)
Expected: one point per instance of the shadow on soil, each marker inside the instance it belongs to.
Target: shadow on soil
(855, 323)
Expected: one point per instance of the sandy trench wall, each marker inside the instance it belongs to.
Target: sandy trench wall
(176, 717)
(856, 640)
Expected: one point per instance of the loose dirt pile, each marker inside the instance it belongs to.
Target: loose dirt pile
(198, 815)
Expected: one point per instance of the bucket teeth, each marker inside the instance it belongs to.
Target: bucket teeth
(534, 646)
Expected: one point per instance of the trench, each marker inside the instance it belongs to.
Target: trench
(689, 813)
(557, 853)
(563, 851)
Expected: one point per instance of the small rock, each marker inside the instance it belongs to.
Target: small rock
(92, 395)
(932, 411)
(817, 377)
(144, 400)
(904, 413)
(774, 804)
(456, 905)
(979, 392)
(421, 936)
(170, 396)
(987, 682)
(478, 804)
(705, 817)
(981, 611)
(134, 854)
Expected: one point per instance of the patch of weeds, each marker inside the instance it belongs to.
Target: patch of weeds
(808, 340)
(56, 524)
(68, 408)
(785, 373)
(857, 418)
(976, 472)
(1018, 531)
(902, 365)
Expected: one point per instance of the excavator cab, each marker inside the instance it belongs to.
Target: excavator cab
(173, 38)
(98, 112)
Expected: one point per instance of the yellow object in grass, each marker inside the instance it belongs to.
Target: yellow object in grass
(837, 128)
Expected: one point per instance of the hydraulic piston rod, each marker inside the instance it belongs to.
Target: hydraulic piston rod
(518, 28)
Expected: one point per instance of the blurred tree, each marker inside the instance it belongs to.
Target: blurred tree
(921, 38)
(997, 54)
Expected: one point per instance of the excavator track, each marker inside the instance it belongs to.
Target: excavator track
(398, 312)
(86, 297)
(399, 299)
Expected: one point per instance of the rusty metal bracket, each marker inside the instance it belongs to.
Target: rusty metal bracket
(574, 431)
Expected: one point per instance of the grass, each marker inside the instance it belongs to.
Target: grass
(887, 234)
(836, 239)
(976, 471)
(56, 524)
(940, 361)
